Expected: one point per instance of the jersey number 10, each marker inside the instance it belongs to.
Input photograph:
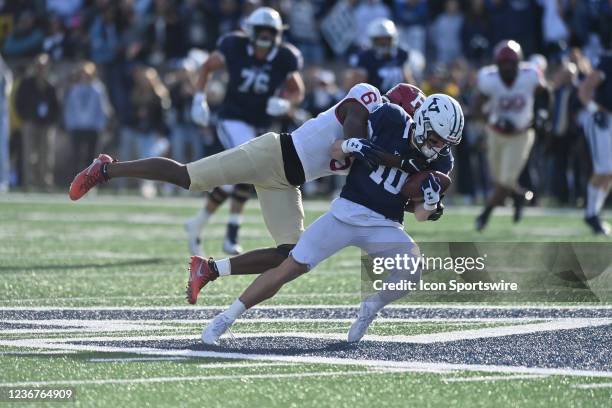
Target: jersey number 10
(392, 183)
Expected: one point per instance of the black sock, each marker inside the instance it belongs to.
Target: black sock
(232, 233)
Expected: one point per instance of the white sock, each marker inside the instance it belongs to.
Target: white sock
(224, 267)
(600, 199)
(592, 196)
(202, 218)
(235, 310)
(235, 219)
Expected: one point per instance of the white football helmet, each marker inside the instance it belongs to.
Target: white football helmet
(264, 17)
(442, 115)
(383, 28)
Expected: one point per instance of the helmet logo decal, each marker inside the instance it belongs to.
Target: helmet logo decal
(433, 106)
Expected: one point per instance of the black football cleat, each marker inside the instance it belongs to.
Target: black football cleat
(598, 227)
(519, 201)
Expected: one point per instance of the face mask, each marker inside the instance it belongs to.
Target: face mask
(263, 43)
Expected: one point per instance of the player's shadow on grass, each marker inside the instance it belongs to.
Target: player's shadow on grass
(293, 346)
(105, 265)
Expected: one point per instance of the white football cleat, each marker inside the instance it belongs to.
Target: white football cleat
(231, 248)
(215, 329)
(360, 326)
(193, 227)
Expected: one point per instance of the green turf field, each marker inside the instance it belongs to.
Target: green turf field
(92, 298)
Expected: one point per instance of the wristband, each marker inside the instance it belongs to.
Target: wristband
(592, 107)
(430, 207)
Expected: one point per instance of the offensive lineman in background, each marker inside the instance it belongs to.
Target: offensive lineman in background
(384, 64)
(506, 95)
(595, 92)
(260, 67)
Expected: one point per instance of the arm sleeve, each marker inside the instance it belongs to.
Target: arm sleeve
(294, 61)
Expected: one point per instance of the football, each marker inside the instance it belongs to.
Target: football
(412, 187)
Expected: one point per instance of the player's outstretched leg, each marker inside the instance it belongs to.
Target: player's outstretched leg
(105, 167)
(264, 287)
(250, 263)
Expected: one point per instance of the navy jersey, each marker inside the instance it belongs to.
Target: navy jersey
(603, 94)
(384, 73)
(253, 81)
(379, 190)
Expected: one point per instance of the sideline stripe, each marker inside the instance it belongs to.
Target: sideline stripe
(592, 386)
(494, 378)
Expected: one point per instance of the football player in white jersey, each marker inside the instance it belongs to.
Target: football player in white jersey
(505, 98)
(277, 164)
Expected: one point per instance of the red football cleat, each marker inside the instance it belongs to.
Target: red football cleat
(89, 178)
(201, 271)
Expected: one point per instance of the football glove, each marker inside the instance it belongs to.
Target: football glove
(364, 151)
(277, 106)
(200, 112)
(435, 216)
(431, 192)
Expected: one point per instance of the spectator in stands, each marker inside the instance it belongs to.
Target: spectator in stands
(37, 105)
(150, 102)
(26, 39)
(86, 113)
(366, 11)
(304, 18)
(164, 35)
(56, 42)
(411, 17)
(183, 132)
(445, 33)
(554, 30)
(475, 33)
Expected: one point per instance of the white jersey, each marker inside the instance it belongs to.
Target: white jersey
(515, 102)
(313, 140)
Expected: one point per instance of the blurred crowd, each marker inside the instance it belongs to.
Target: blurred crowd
(81, 76)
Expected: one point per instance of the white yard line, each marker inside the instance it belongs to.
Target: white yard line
(429, 306)
(133, 359)
(408, 365)
(494, 378)
(592, 386)
(59, 344)
(194, 378)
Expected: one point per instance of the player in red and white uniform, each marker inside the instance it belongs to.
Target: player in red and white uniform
(505, 98)
(276, 164)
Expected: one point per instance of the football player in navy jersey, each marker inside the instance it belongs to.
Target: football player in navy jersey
(264, 81)
(384, 64)
(596, 94)
(369, 212)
